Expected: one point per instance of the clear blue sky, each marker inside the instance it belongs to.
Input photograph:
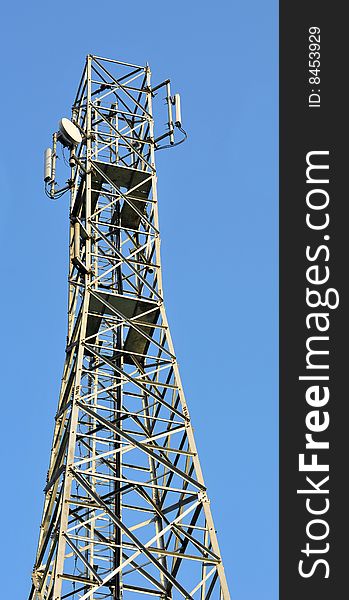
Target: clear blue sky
(218, 212)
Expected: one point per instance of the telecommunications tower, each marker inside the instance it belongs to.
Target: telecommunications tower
(126, 514)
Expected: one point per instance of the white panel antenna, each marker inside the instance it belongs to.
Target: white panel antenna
(178, 115)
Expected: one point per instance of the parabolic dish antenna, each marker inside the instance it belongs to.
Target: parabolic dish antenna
(69, 133)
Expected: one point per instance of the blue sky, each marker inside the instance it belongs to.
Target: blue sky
(218, 215)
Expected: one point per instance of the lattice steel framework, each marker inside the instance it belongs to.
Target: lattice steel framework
(126, 512)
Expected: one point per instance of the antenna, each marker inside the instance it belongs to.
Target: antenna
(48, 165)
(178, 117)
(69, 136)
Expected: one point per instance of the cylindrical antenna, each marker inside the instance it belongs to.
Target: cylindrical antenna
(178, 118)
(47, 165)
(76, 240)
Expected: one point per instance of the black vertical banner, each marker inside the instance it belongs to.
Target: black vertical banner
(314, 332)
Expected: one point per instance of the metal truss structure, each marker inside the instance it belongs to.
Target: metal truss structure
(126, 512)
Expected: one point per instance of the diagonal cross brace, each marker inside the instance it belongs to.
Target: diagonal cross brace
(125, 529)
(140, 446)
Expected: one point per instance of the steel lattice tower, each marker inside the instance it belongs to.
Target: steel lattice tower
(126, 512)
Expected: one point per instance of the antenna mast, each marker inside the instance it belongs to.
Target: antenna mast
(126, 512)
